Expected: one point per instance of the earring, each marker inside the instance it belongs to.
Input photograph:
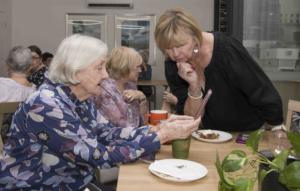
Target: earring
(195, 50)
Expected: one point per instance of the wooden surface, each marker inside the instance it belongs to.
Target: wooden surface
(153, 82)
(137, 177)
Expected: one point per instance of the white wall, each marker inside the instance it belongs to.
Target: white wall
(5, 33)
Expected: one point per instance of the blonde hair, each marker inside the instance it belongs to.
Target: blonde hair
(120, 61)
(74, 53)
(172, 27)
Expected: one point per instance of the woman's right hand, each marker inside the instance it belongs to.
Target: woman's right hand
(177, 127)
(187, 72)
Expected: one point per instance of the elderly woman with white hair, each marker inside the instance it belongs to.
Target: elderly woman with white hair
(58, 138)
(16, 87)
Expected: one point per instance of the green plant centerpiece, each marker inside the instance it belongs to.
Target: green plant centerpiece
(239, 171)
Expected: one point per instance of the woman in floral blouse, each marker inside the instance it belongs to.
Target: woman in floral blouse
(57, 138)
(120, 102)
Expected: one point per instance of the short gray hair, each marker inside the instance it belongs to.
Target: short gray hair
(74, 53)
(18, 59)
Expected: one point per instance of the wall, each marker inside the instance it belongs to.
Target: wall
(5, 31)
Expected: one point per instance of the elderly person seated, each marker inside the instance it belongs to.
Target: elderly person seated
(16, 87)
(58, 138)
(120, 102)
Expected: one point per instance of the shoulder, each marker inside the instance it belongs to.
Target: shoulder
(225, 43)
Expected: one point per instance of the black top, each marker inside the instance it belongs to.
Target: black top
(37, 78)
(243, 96)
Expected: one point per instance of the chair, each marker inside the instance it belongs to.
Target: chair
(293, 109)
(6, 108)
(103, 176)
(150, 93)
(152, 98)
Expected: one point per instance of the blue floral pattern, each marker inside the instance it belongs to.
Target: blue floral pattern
(55, 142)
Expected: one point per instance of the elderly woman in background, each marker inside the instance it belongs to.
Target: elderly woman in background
(120, 102)
(58, 138)
(16, 87)
(243, 97)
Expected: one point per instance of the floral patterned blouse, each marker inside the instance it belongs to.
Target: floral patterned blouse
(112, 106)
(55, 142)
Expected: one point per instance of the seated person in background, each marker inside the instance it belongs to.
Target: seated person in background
(37, 68)
(121, 103)
(59, 138)
(47, 58)
(146, 73)
(15, 88)
(169, 101)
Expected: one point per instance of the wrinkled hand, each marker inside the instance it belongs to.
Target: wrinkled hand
(131, 95)
(177, 127)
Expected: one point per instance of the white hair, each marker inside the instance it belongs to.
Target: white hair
(74, 53)
(18, 59)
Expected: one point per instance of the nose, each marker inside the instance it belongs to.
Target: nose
(104, 74)
(175, 51)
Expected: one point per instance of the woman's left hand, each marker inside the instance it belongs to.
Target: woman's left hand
(131, 95)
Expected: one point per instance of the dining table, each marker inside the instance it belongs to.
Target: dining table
(137, 177)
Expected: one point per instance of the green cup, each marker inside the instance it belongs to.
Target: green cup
(181, 148)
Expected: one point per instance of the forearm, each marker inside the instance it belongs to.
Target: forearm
(123, 151)
(193, 101)
(192, 106)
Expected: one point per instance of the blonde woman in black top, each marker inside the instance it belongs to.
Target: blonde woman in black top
(243, 97)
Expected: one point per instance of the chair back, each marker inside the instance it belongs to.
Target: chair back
(293, 106)
(6, 108)
(152, 98)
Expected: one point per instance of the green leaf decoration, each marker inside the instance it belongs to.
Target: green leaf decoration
(234, 161)
(244, 184)
(223, 179)
(280, 160)
(225, 187)
(290, 176)
(294, 138)
(254, 139)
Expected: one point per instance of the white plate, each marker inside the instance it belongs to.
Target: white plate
(178, 170)
(223, 136)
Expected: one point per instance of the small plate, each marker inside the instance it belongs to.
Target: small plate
(178, 170)
(223, 136)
